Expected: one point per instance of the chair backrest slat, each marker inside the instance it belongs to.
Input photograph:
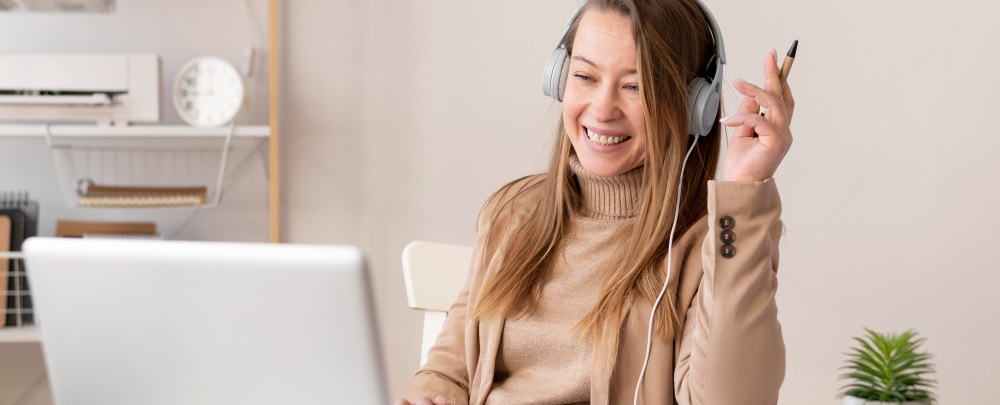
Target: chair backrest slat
(434, 274)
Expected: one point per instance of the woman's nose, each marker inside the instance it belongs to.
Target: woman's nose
(604, 106)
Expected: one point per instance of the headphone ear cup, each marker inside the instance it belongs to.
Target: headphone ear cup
(554, 75)
(704, 107)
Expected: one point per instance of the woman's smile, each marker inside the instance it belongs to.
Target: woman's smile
(606, 138)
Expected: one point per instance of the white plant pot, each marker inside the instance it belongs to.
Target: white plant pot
(849, 400)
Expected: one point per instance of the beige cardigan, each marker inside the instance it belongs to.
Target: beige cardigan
(730, 349)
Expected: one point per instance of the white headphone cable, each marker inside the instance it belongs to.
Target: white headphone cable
(670, 248)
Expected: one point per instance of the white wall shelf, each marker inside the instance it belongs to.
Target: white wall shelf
(131, 131)
(140, 155)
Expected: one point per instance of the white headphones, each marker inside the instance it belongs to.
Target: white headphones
(704, 94)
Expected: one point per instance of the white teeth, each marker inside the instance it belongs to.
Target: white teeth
(604, 140)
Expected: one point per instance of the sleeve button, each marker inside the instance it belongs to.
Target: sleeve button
(728, 251)
(727, 222)
(727, 237)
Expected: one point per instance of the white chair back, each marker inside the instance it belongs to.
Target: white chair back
(434, 274)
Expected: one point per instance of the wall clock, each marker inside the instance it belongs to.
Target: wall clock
(208, 92)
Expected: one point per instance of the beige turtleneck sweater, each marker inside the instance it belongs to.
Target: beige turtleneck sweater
(539, 360)
(729, 347)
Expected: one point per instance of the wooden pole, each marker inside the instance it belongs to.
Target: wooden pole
(272, 70)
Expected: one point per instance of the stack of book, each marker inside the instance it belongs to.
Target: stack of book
(93, 195)
(106, 230)
(18, 221)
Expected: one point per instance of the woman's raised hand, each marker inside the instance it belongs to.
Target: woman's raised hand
(750, 158)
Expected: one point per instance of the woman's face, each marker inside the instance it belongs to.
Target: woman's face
(602, 109)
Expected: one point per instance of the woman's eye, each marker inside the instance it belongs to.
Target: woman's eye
(632, 87)
(584, 77)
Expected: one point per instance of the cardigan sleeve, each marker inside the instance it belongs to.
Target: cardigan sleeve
(445, 372)
(731, 349)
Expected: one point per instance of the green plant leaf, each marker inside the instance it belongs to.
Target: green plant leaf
(870, 351)
(872, 381)
(863, 366)
(912, 360)
(894, 395)
(881, 342)
(864, 393)
(873, 360)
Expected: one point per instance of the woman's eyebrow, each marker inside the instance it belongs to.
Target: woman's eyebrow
(591, 63)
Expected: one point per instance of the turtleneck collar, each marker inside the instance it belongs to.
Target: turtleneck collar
(613, 197)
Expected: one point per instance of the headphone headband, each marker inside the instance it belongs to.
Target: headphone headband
(716, 32)
(720, 46)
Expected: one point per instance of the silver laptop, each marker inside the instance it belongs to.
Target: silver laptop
(152, 322)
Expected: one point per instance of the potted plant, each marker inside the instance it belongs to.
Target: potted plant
(887, 369)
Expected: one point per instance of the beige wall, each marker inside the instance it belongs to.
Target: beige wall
(397, 129)
(890, 192)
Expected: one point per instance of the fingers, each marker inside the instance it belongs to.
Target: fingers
(424, 401)
(439, 400)
(748, 106)
(774, 105)
(753, 123)
(772, 73)
(402, 402)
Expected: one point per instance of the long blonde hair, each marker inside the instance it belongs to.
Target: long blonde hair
(674, 44)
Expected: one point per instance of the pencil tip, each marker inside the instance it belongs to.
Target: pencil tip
(791, 51)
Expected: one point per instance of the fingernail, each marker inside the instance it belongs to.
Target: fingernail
(740, 81)
(774, 53)
(439, 399)
(723, 119)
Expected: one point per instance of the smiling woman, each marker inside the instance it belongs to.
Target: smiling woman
(563, 303)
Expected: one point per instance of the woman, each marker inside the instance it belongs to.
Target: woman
(568, 263)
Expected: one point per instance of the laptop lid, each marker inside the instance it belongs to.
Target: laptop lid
(157, 322)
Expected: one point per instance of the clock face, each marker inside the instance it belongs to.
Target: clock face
(208, 92)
